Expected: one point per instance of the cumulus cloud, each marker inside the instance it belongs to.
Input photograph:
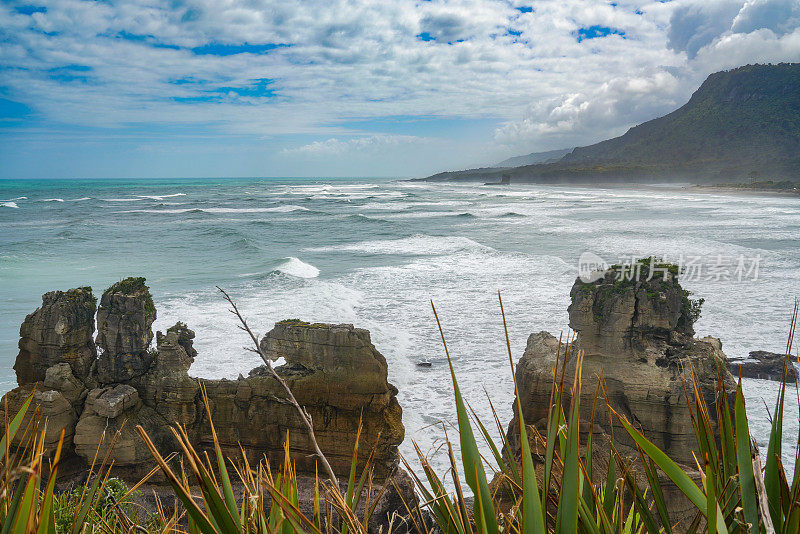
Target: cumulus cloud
(574, 118)
(779, 16)
(694, 25)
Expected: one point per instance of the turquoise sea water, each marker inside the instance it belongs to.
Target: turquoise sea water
(374, 252)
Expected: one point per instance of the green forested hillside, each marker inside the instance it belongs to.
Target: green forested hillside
(740, 124)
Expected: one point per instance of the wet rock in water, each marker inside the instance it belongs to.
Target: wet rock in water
(637, 334)
(124, 332)
(60, 331)
(765, 365)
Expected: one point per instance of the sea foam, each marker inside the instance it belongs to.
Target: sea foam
(416, 245)
(296, 267)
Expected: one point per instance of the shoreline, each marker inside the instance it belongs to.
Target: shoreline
(676, 187)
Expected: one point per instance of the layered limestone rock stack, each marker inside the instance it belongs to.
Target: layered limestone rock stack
(336, 373)
(59, 331)
(56, 355)
(637, 335)
(94, 389)
(124, 333)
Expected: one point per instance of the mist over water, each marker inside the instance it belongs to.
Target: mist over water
(375, 252)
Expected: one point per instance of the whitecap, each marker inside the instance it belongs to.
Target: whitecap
(277, 209)
(79, 199)
(121, 199)
(9, 205)
(165, 212)
(53, 200)
(296, 267)
(416, 245)
(162, 197)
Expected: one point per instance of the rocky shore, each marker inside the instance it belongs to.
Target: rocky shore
(766, 366)
(637, 335)
(96, 387)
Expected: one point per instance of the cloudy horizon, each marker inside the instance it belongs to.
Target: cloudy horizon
(142, 88)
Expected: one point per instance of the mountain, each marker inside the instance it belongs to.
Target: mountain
(740, 124)
(534, 157)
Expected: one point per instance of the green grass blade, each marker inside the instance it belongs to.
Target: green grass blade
(46, 517)
(640, 503)
(474, 473)
(588, 523)
(227, 488)
(774, 450)
(610, 487)
(533, 521)
(571, 479)
(670, 468)
(13, 508)
(27, 507)
(744, 462)
(711, 497)
(657, 492)
(13, 426)
(675, 473)
(88, 503)
(498, 457)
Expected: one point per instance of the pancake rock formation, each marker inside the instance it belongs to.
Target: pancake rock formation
(638, 335)
(116, 382)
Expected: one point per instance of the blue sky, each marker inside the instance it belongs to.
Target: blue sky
(141, 88)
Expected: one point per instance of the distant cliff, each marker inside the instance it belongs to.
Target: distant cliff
(740, 124)
(535, 157)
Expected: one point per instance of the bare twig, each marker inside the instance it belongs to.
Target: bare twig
(305, 417)
(763, 504)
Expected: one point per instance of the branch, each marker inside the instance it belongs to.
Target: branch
(304, 415)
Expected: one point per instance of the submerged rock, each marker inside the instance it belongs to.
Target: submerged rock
(765, 365)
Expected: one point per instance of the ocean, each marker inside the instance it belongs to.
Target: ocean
(375, 252)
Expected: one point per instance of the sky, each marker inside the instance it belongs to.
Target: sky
(216, 88)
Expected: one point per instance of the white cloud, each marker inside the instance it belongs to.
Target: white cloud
(693, 24)
(779, 16)
(363, 60)
(573, 119)
(370, 143)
